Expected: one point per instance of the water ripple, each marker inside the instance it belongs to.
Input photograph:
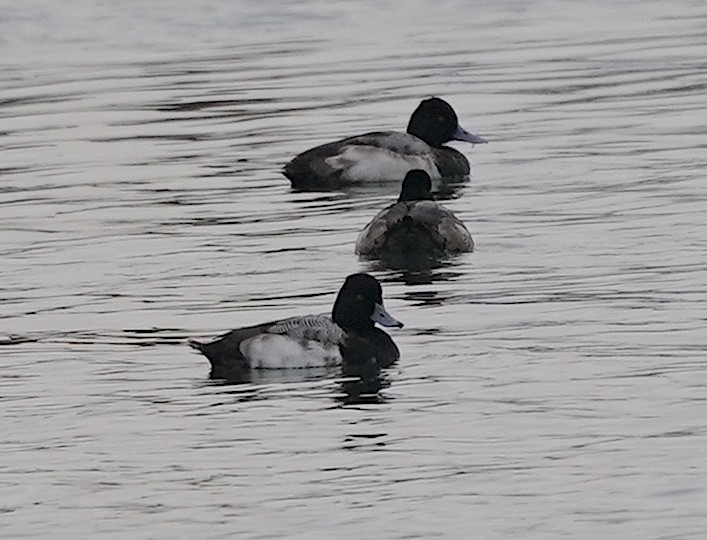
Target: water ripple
(556, 374)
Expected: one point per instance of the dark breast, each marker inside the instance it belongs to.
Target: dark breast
(451, 163)
(375, 347)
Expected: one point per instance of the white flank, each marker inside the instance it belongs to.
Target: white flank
(371, 163)
(279, 351)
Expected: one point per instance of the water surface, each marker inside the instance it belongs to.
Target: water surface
(551, 383)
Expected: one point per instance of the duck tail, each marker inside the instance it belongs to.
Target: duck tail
(204, 349)
(196, 345)
(226, 363)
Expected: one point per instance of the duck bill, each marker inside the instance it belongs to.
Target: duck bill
(382, 317)
(463, 135)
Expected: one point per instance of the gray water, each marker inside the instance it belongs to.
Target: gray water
(552, 383)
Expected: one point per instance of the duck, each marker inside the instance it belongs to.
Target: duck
(349, 337)
(382, 156)
(414, 224)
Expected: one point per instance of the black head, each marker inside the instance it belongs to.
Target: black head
(417, 186)
(360, 304)
(435, 122)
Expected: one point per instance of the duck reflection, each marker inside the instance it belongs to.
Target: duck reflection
(363, 383)
(352, 384)
(442, 190)
(420, 270)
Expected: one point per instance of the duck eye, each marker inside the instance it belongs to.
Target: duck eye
(359, 297)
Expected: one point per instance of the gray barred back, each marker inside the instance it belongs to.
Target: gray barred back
(314, 327)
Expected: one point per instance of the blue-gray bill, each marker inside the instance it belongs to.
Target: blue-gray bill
(382, 317)
(463, 135)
